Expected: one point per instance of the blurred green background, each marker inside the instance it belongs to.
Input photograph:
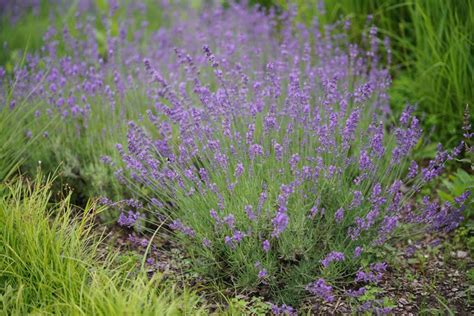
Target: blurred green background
(432, 47)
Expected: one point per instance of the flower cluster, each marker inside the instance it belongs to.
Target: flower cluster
(322, 289)
(374, 275)
(128, 220)
(333, 256)
(283, 310)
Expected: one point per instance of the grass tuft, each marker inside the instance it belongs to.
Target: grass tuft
(51, 262)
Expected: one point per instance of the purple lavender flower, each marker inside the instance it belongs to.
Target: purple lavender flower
(128, 220)
(388, 225)
(332, 256)
(262, 273)
(210, 56)
(238, 236)
(356, 200)
(364, 161)
(339, 215)
(179, 226)
(133, 203)
(270, 122)
(215, 216)
(280, 222)
(105, 201)
(255, 150)
(140, 242)
(206, 243)
(150, 261)
(156, 202)
(374, 307)
(374, 275)
(229, 220)
(322, 289)
(250, 132)
(261, 201)
(239, 169)
(313, 212)
(407, 138)
(348, 133)
(285, 191)
(107, 160)
(250, 214)
(412, 170)
(221, 159)
(294, 161)
(356, 293)
(278, 151)
(406, 115)
(283, 310)
(462, 198)
(229, 241)
(376, 142)
(266, 245)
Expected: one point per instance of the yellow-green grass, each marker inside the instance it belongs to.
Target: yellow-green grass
(51, 263)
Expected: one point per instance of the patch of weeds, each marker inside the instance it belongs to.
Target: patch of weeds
(373, 301)
(243, 305)
(371, 293)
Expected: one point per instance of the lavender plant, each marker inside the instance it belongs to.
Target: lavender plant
(88, 79)
(79, 88)
(276, 164)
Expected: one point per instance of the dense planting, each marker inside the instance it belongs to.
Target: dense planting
(266, 146)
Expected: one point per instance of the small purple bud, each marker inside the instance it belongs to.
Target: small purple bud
(266, 245)
(357, 252)
(339, 216)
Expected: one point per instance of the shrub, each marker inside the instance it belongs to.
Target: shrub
(70, 92)
(87, 81)
(283, 174)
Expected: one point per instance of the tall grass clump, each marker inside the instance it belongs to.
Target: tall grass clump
(51, 263)
(277, 165)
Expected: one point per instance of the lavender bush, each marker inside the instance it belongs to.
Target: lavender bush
(79, 90)
(276, 163)
(88, 79)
